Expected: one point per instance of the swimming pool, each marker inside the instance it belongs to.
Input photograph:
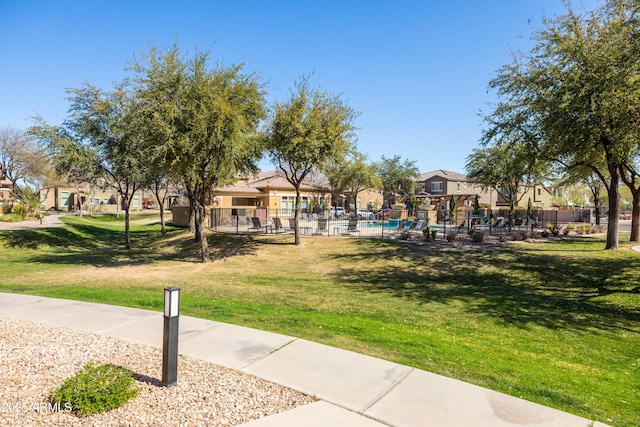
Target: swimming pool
(391, 224)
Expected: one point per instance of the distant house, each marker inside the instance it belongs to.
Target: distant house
(442, 185)
(369, 198)
(5, 194)
(65, 198)
(271, 190)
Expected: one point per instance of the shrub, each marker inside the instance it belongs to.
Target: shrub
(472, 231)
(452, 237)
(504, 238)
(434, 233)
(20, 210)
(426, 235)
(12, 217)
(477, 237)
(545, 233)
(566, 230)
(581, 229)
(95, 388)
(571, 226)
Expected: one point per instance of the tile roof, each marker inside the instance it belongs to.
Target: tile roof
(257, 184)
(449, 175)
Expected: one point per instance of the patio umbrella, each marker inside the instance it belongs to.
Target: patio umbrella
(452, 205)
(529, 208)
(476, 205)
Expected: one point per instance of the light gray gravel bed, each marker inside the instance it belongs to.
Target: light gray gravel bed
(36, 358)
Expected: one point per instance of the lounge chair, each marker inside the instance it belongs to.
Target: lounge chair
(302, 229)
(257, 225)
(278, 227)
(401, 225)
(352, 227)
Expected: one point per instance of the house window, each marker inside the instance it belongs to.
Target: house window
(323, 203)
(359, 203)
(436, 186)
(539, 192)
(287, 203)
(242, 201)
(105, 200)
(136, 200)
(64, 196)
(458, 187)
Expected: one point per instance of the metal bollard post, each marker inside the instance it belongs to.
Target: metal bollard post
(170, 336)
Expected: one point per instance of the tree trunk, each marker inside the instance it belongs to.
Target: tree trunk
(204, 244)
(296, 217)
(635, 217)
(162, 223)
(200, 226)
(161, 201)
(193, 221)
(127, 229)
(596, 202)
(126, 201)
(613, 193)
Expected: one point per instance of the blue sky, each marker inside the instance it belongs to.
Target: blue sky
(417, 71)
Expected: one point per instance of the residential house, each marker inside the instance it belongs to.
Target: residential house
(66, 198)
(5, 195)
(369, 198)
(271, 190)
(440, 186)
(265, 193)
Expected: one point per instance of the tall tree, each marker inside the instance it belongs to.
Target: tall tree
(202, 122)
(306, 131)
(359, 175)
(22, 163)
(100, 143)
(506, 167)
(397, 175)
(575, 95)
(333, 170)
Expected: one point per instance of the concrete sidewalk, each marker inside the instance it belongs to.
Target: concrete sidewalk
(354, 390)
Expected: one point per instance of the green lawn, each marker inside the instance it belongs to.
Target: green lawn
(556, 323)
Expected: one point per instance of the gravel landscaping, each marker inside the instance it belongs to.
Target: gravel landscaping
(36, 358)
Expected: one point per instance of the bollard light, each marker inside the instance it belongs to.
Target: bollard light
(170, 336)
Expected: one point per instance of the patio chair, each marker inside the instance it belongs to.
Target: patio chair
(352, 227)
(401, 225)
(257, 225)
(278, 227)
(418, 225)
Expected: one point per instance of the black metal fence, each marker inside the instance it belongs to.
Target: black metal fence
(507, 220)
(329, 223)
